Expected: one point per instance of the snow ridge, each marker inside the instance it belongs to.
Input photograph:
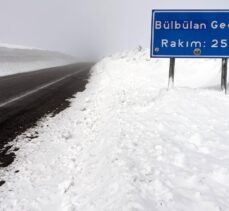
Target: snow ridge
(127, 143)
(16, 59)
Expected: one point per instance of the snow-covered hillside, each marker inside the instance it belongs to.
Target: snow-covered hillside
(17, 59)
(127, 143)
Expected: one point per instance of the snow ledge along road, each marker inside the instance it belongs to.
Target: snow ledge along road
(127, 143)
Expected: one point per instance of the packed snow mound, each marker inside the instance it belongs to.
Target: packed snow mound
(15, 59)
(127, 143)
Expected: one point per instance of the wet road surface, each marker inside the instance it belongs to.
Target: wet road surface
(25, 98)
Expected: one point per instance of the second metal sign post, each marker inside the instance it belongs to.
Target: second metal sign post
(191, 34)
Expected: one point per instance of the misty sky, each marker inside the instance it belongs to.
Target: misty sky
(86, 27)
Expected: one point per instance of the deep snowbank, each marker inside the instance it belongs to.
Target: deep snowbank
(16, 59)
(129, 144)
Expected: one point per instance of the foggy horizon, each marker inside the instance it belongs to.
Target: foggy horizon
(85, 29)
(91, 121)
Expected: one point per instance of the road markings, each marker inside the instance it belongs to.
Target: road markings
(26, 94)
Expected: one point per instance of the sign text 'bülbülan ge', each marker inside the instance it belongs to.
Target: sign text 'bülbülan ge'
(190, 34)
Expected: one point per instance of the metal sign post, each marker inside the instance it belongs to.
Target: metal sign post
(224, 75)
(171, 72)
(191, 34)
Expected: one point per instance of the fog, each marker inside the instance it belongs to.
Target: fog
(85, 28)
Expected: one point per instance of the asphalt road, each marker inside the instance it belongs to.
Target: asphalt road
(27, 97)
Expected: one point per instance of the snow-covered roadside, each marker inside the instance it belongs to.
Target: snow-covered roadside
(17, 59)
(127, 143)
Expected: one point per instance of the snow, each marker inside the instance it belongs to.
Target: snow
(17, 59)
(127, 143)
(8, 45)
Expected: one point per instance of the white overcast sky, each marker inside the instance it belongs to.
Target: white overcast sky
(86, 27)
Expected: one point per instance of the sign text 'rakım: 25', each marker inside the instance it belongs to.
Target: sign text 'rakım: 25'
(190, 34)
